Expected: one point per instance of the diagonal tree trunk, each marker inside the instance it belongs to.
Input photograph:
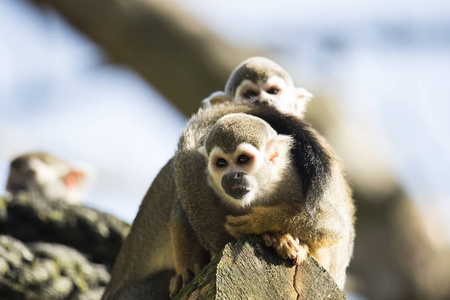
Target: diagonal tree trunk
(177, 54)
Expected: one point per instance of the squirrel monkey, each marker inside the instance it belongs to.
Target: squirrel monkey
(149, 245)
(288, 188)
(248, 164)
(260, 80)
(47, 176)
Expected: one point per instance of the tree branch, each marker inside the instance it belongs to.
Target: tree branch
(174, 52)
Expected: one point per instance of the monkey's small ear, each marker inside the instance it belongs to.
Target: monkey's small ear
(202, 151)
(74, 178)
(278, 147)
(303, 97)
(215, 98)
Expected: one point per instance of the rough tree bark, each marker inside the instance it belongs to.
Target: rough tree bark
(248, 269)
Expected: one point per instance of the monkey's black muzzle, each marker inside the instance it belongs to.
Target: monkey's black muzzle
(236, 184)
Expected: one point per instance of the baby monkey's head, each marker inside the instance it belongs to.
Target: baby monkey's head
(260, 80)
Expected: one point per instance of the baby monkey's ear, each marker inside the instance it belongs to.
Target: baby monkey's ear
(278, 147)
(202, 151)
(303, 97)
(215, 98)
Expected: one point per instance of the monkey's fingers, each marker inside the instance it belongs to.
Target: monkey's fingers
(242, 225)
(187, 276)
(175, 285)
(238, 221)
(297, 260)
(288, 246)
(233, 231)
(197, 269)
(301, 254)
(271, 239)
(293, 243)
(283, 254)
(267, 238)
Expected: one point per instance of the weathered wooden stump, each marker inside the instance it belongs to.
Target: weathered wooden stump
(248, 269)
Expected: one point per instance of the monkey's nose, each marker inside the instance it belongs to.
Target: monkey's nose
(234, 176)
(264, 101)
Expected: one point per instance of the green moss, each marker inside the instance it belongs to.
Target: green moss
(3, 209)
(4, 267)
(91, 216)
(80, 283)
(56, 216)
(14, 251)
(63, 285)
(60, 288)
(36, 274)
(102, 229)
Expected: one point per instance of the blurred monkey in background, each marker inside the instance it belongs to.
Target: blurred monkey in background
(46, 176)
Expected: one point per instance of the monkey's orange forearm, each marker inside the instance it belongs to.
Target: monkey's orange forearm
(285, 217)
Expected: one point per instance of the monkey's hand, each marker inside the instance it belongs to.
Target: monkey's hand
(215, 98)
(256, 221)
(286, 246)
(178, 282)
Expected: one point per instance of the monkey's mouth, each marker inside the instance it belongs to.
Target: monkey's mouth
(237, 184)
(237, 191)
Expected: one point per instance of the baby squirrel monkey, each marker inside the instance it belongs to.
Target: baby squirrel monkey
(181, 196)
(47, 176)
(259, 80)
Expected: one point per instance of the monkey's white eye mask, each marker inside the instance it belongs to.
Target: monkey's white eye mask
(231, 175)
(238, 178)
(276, 92)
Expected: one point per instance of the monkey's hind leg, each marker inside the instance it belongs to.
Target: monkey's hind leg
(189, 256)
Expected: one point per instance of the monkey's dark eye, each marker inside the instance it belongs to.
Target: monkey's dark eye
(221, 163)
(250, 94)
(273, 91)
(243, 159)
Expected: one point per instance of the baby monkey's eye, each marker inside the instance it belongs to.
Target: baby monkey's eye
(243, 159)
(273, 91)
(250, 94)
(221, 163)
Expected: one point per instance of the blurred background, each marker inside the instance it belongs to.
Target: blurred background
(75, 83)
